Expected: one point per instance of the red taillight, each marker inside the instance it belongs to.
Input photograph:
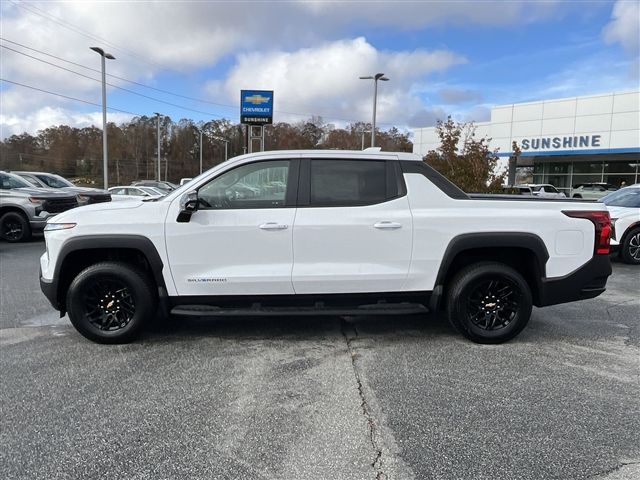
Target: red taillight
(602, 222)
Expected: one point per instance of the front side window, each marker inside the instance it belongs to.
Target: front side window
(254, 185)
(347, 182)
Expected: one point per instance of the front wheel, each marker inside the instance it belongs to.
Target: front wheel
(14, 227)
(110, 302)
(489, 302)
(630, 251)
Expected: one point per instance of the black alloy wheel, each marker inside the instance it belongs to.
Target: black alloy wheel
(488, 302)
(109, 302)
(493, 304)
(14, 227)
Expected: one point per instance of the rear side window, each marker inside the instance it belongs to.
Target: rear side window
(344, 183)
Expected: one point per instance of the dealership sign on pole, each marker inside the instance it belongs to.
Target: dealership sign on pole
(256, 107)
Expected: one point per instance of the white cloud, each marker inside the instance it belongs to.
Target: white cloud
(325, 79)
(624, 27)
(12, 124)
(297, 43)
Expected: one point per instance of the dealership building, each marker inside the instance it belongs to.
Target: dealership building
(565, 141)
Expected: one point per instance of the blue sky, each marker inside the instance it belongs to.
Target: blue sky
(443, 58)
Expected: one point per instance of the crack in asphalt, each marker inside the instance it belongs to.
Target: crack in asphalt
(350, 333)
(613, 469)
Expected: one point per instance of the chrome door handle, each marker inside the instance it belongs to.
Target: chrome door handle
(386, 225)
(273, 226)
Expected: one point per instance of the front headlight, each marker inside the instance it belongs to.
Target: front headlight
(50, 227)
(83, 199)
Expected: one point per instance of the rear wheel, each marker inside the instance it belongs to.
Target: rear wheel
(110, 302)
(14, 227)
(630, 251)
(577, 196)
(489, 302)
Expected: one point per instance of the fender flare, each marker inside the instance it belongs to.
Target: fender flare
(470, 241)
(98, 242)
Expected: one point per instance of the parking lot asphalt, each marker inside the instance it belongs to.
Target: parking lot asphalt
(325, 397)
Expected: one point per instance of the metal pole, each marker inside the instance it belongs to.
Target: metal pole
(200, 151)
(225, 150)
(375, 100)
(158, 135)
(362, 139)
(105, 154)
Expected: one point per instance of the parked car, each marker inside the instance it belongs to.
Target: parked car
(25, 209)
(134, 193)
(624, 208)
(352, 233)
(516, 190)
(592, 191)
(544, 190)
(164, 186)
(85, 196)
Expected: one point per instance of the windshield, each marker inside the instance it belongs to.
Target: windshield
(623, 198)
(152, 191)
(55, 181)
(9, 181)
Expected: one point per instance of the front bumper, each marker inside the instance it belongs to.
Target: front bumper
(50, 290)
(588, 281)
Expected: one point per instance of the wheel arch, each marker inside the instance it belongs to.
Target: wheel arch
(526, 252)
(14, 208)
(79, 252)
(628, 230)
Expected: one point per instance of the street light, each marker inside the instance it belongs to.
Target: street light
(158, 135)
(200, 150)
(378, 76)
(226, 142)
(105, 156)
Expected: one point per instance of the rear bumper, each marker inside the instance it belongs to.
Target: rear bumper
(588, 281)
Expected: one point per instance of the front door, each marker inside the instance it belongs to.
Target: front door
(239, 241)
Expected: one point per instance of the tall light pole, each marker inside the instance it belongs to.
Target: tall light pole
(158, 135)
(226, 142)
(375, 78)
(200, 150)
(105, 155)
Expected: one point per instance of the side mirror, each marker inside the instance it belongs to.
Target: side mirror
(188, 205)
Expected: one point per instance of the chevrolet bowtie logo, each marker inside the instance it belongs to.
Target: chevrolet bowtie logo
(257, 99)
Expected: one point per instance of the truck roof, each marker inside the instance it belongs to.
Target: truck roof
(354, 154)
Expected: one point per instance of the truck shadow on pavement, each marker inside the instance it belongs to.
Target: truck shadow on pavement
(297, 328)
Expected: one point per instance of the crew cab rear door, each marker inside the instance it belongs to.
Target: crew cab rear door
(353, 227)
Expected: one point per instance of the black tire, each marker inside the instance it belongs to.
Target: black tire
(14, 227)
(630, 248)
(110, 302)
(577, 196)
(474, 298)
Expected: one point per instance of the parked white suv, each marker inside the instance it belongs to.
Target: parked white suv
(544, 190)
(624, 208)
(323, 232)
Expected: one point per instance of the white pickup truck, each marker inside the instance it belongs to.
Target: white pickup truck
(323, 232)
